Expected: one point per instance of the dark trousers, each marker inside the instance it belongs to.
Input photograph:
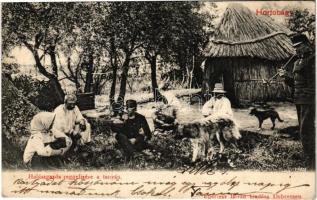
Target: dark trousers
(306, 118)
(129, 148)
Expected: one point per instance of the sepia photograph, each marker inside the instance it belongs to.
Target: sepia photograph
(152, 87)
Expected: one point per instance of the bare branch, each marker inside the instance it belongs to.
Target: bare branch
(41, 67)
(29, 46)
(59, 60)
(70, 68)
(68, 77)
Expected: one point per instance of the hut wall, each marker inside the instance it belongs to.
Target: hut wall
(243, 79)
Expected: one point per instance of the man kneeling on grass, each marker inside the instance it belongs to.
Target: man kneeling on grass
(135, 132)
(45, 142)
(71, 122)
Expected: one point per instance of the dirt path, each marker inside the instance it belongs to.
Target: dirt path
(287, 112)
(267, 149)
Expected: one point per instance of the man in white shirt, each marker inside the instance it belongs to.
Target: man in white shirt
(219, 104)
(70, 121)
(45, 140)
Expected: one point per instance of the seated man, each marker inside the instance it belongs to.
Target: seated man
(117, 116)
(70, 121)
(135, 131)
(45, 141)
(117, 110)
(219, 104)
(164, 121)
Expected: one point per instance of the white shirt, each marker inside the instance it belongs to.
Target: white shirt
(216, 106)
(65, 119)
(65, 122)
(41, 133)
(35, 145)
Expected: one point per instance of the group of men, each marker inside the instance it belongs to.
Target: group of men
(54, 133)
(302, 81)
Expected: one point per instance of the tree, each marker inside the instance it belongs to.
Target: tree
(40, 27)
(155, 36)
(84, 48)
(122, 28)
(191, 34)
(173, 31)
(302, 21)
(81, 39)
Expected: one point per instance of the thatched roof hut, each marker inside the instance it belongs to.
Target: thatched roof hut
(247, 48)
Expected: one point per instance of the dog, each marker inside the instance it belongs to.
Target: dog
(203, 131)
(263, 115)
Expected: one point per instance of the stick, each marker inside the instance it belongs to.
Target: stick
(283, 67)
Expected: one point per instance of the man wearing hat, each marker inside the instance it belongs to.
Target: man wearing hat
(135, 131)
(164, 119)
(117, 110)
(219, 104)
(302, 81)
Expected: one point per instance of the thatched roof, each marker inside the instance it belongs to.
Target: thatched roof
(243, 33)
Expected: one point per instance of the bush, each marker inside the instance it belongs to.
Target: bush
(17, 113)
(38, 92)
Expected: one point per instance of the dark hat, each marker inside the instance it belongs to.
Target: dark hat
(131, 103)
(298, 39)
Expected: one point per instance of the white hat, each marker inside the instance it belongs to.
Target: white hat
(219, 88)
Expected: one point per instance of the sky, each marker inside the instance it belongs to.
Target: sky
(274, 5)
(22, 56)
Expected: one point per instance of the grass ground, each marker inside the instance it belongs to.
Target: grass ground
(265, 150)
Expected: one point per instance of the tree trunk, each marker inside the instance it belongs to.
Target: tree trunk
(114, 64)
(89, 75)
(192, 74)
(73, 75)
(187, 77)
(59, 91)
(52, 54)
(52, 77)
(152, 61)
(124, 77)
(156, 93)
(128, 50)
(113, 84)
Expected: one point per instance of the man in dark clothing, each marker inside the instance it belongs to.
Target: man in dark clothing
(117, 110)
(303, 83)
(135, 131)
(164, 121)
